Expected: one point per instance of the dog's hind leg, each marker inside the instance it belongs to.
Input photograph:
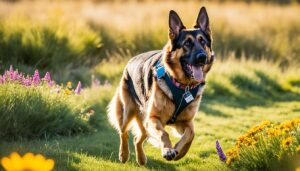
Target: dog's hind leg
(140, 137)
(129, 110)
(120, 113)
(116, 118)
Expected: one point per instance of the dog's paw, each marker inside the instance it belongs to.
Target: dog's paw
(124, 156)
(169, 153)
(141, 159)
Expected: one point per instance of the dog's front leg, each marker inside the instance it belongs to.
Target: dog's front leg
(157, 131)
(185, 142)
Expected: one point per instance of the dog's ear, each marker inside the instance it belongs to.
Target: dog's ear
(202, 21)
(175, 25)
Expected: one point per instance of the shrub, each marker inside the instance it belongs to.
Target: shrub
(267, 147)
(31, 107)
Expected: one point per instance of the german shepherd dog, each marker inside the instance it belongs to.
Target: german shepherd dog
(144, 100)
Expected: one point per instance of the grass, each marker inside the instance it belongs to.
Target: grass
(255, 77)
(68, 44)
(222, 117)
(35, 112)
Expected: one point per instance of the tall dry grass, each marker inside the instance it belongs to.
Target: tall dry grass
(74, 36)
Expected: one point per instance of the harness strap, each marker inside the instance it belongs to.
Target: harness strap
(178, 94)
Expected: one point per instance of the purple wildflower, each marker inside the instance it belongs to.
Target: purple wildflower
(6, 75)
(51, 83)
(36, 78)
(11, 71)
(1, 79)
(221, 154)
(78, 88)
(27, 81)
(15, 75)
(47, 77)
(20, 77)
(95, 83)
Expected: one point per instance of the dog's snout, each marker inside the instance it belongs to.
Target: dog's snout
(201, 58)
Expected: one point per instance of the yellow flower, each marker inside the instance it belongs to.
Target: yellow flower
(287, 142)
(233, 152)
(265, 123)
(297, 169)
(69, 84)
(272, 132)
(288, 125)
(295, 122)
(29, 162)
(229, 160)
(298, 149)
(68, 92)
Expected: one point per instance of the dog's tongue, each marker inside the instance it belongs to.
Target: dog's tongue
(197, 73)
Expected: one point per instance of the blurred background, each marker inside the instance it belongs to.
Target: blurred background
(72, 38)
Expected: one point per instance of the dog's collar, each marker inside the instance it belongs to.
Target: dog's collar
(161, 72)
(184, 86)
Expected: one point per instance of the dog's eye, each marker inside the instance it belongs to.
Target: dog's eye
(187, 43)
(202, 41)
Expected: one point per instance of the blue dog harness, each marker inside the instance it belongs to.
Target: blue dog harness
(181, 97)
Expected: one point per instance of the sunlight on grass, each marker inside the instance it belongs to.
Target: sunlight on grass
(255, 77)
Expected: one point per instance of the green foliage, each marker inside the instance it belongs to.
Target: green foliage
(36, 112)
(267, 147)
(110, 70)
(68, 45)
(53, 44)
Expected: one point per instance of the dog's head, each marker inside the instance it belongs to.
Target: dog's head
(189, 51)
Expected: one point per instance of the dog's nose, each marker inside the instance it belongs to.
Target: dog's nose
(201, 58)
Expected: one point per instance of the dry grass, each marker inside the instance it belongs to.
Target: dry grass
(251, 30)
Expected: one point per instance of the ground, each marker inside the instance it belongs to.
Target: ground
(215, 121)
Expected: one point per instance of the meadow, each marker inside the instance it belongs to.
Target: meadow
(255, 78)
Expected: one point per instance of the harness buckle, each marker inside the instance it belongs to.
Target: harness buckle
(160, 71)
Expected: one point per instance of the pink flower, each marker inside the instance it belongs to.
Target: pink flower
(3, 78)
(27, 81)
(15, 75)
(36, 78)
(51, 83)
(95, 83)
(20, 77)
(78, 88)
(47, 77)
(11, 71)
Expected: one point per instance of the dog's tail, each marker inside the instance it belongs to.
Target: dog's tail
(115, 111)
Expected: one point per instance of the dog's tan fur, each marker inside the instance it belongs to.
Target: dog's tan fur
(123, 112)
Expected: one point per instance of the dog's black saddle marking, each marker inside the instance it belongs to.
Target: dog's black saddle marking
(138, 76)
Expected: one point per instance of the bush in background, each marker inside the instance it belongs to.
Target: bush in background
(32, 107)
(51, 44)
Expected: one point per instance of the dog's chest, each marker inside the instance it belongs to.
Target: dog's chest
(163, 107)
